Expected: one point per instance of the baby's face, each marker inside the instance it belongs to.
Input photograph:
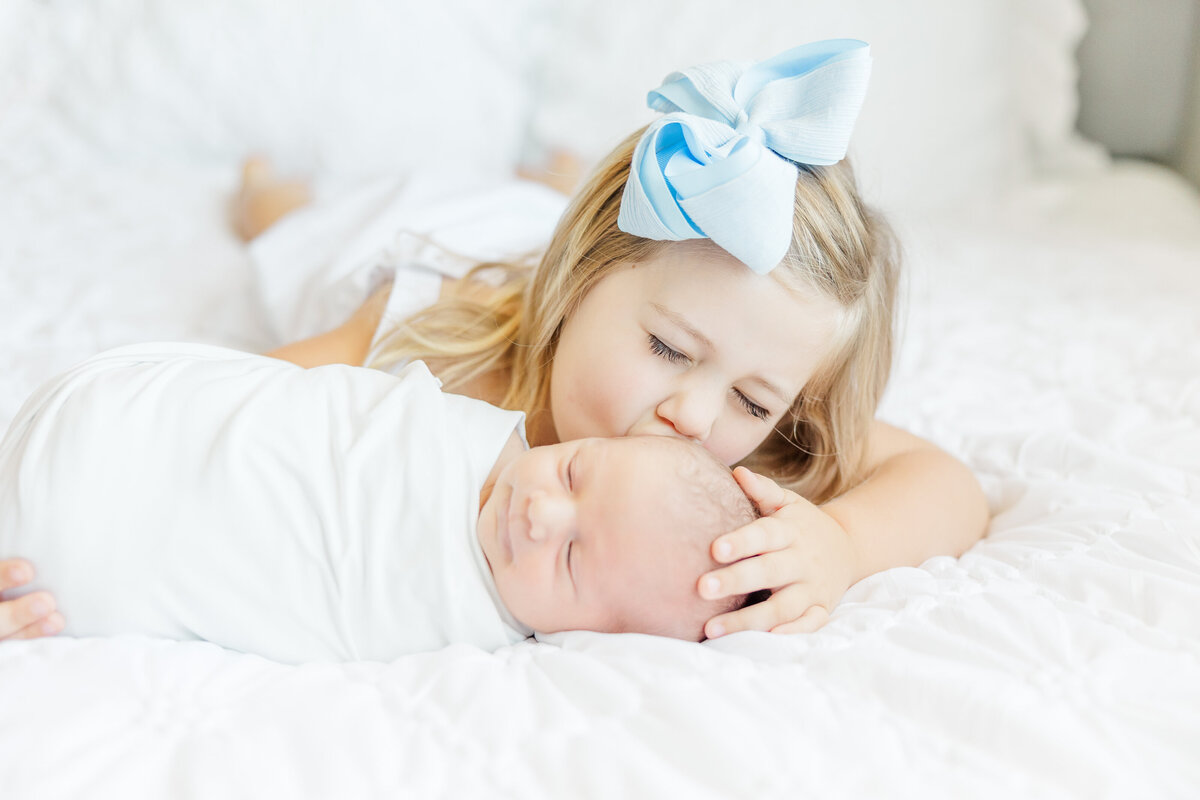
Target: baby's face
(575, 537)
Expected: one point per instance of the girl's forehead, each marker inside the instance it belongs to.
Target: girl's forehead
(708, 278)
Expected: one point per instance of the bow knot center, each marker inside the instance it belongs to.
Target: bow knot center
(745, 127)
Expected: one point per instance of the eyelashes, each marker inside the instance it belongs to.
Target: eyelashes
(752, 408)
(659, 348)
(663, 350)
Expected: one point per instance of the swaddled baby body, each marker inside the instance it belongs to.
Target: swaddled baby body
(342, 513)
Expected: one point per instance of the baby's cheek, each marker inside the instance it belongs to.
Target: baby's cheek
(516, 596)
(532, 604)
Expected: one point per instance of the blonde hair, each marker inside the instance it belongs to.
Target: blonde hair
(840, 248)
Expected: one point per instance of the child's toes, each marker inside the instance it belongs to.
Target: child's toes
(256, 171)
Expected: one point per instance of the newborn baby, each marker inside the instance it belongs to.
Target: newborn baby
(342, 513)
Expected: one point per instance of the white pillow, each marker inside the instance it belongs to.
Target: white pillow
(345, 89)
(1048, 34)
(943, 122)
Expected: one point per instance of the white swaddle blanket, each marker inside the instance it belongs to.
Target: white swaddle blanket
(195, 492)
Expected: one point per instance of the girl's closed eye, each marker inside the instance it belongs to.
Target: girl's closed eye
(663, 350)
(752, 408)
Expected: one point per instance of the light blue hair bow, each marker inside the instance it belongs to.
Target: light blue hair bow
(719, 164)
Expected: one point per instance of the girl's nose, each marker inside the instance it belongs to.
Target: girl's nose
(691, 412)
(551, 517)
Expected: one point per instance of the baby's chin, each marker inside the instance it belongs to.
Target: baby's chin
(485, 534)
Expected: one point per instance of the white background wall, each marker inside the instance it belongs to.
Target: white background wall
(1140, 80)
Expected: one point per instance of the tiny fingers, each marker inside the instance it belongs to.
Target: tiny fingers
(15, 572)
(28, 615)
(49, 625)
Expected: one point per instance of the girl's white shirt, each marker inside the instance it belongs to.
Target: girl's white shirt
(193, 492)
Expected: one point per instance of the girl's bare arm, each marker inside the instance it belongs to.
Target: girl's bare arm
(918, 502)
(348, 343)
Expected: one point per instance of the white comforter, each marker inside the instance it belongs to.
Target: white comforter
(1052, 345)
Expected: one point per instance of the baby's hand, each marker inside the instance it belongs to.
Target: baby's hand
(798, 551)
(26, 617)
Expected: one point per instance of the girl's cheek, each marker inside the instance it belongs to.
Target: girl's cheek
(646, 385)
(594, 401)
(721, 450)
(733, 443)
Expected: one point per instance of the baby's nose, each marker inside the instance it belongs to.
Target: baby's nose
(550, 516)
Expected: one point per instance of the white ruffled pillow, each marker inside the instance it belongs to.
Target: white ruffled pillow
(347, 89)
(950, 116)
(1048, 34)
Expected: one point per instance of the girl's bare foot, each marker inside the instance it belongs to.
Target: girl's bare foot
(263, 198)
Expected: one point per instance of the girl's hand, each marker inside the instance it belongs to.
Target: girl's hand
(26, 617)
(796, 550)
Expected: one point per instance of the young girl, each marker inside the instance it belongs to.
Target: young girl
(717, 278)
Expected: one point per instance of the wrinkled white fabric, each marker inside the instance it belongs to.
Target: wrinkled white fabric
(197, 492)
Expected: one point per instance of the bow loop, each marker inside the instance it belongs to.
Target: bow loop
(718, 164)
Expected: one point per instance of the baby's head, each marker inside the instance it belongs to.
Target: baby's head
(611, 535)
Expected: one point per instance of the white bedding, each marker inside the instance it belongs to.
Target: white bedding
(1051, 344)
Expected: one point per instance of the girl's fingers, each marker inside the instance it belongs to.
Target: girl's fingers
(758, 617)
(786, 611)
(761, 536)
(812, 619)
(768, 495)
(14, 572)
(748, 575)
(24, 612)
